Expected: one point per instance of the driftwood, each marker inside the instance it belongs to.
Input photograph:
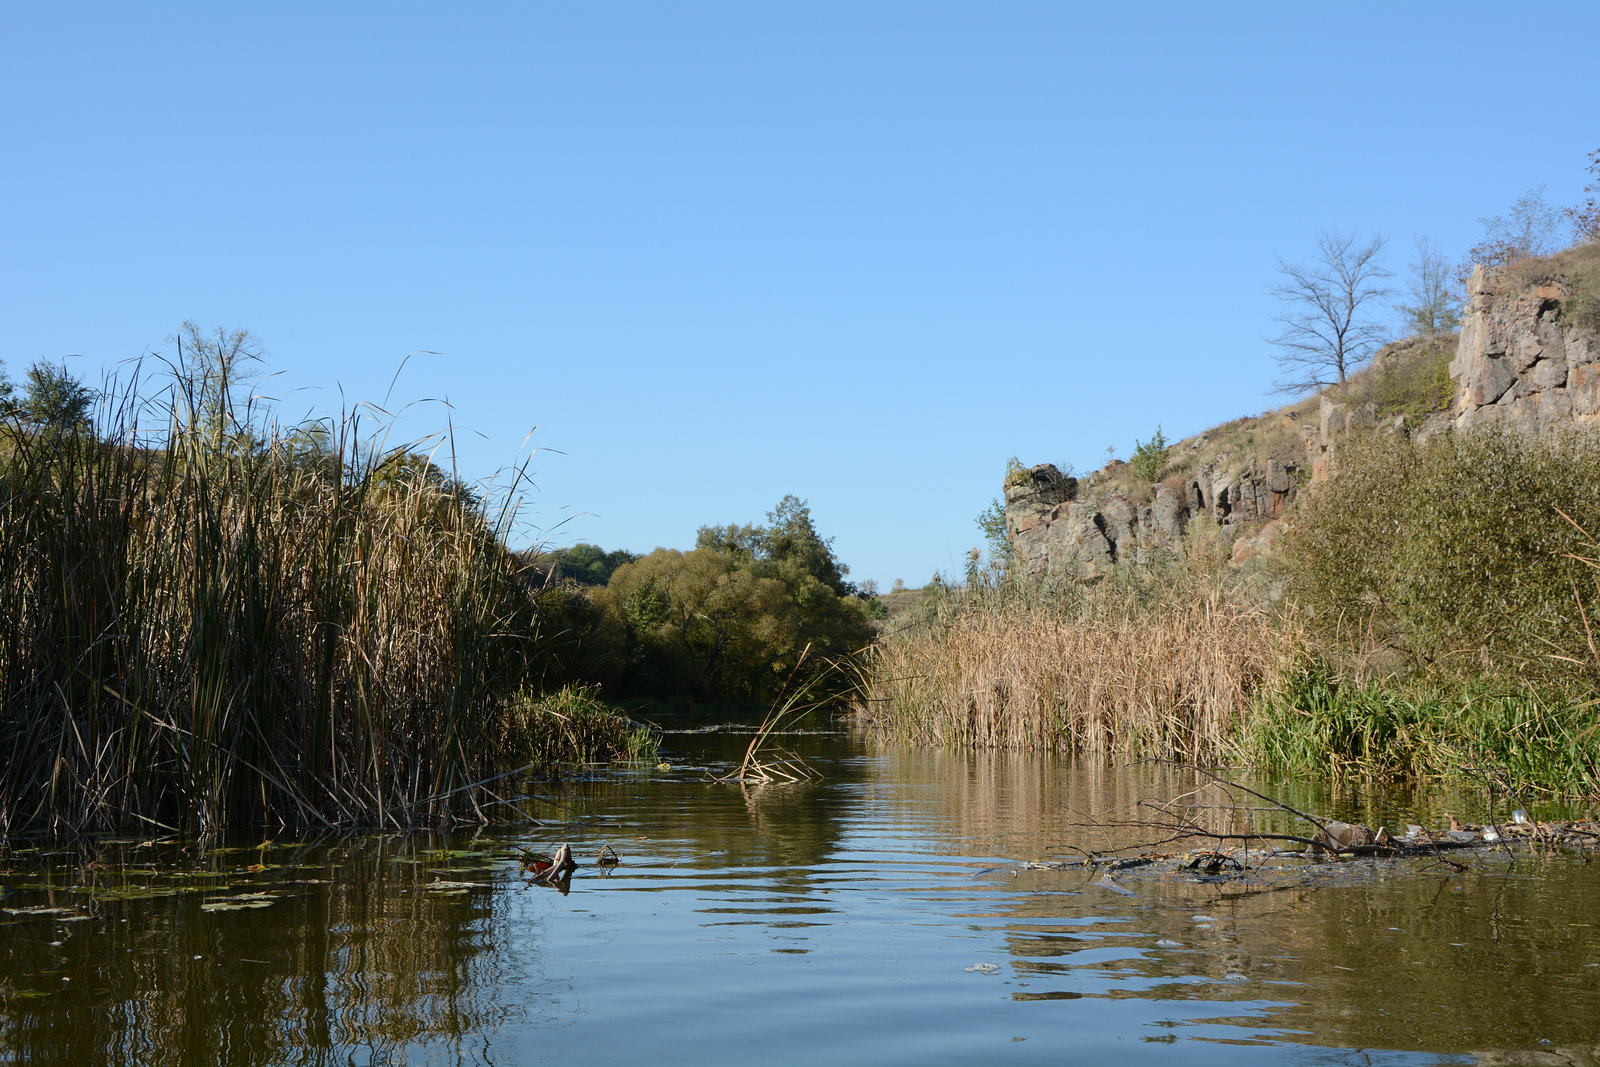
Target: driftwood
(556, 870)
(1186, 821)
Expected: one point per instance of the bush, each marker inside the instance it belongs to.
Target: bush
(1415, 384)
(1150, 457)
(1453, 554)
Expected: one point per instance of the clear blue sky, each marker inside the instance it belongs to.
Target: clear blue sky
(712, 253)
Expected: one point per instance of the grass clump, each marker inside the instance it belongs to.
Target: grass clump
(1518, 742)
(573, 725)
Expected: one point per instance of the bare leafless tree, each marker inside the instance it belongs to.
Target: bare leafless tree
(1585, 217)
(1531, 228)
(1327, 332)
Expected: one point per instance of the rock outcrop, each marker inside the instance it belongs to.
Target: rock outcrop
(1520, 362)
(1057, 528)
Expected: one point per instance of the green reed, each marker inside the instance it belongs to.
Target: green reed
(1519, 742)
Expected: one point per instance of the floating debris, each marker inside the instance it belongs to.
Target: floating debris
(984, 968)
(242, 902)
(1105, 882)
(44, 911)
(445, 886)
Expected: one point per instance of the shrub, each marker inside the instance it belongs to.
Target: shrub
(1453, 554)
(1416, 384)
(1150, 457)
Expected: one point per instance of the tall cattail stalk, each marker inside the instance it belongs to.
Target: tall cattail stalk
(212, 625)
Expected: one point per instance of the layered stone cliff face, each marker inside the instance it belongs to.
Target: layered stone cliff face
(1519, 361)
(1057, 528)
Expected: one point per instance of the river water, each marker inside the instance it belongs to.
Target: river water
(880, 915)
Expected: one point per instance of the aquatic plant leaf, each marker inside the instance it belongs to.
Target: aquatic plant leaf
(239, 903)
(145, 892)
(41, 909)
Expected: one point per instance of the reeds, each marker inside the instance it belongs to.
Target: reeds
(1154, 664)
(1520, 743)
(222, 622)
(573, 725)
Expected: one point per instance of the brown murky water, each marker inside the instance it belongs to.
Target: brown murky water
(878, 916)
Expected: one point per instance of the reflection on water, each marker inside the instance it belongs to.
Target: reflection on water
(880, 915)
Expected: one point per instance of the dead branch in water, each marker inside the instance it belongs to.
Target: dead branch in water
(1183, 819)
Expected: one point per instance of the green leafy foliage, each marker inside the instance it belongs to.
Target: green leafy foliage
(1453, 555)
(729, 619)
(992, 521)
(56, 401)
(583, 563)
(1150, 457)
(1415, 383)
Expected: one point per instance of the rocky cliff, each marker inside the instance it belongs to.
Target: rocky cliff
(1059, 524)
(1524, 357)
(1521, 361)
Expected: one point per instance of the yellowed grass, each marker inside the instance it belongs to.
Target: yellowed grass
(1113, 675)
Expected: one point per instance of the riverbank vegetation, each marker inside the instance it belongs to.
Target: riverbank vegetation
(215, 620)
(1430, 612)
(1156, 658)
(750, 612)
(1430, 607)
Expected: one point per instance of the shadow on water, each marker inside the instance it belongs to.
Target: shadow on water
(883, 914)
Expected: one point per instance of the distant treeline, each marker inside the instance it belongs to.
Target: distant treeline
(730, 619)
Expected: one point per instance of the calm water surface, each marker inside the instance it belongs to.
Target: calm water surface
(878, 916)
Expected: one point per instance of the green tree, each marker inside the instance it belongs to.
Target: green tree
(733, 617)
(1149, 457)
(214, 372)
(56, 401)
(406, 470)
(586, 564)
(793, 546)
(992, 521)
(703, 624)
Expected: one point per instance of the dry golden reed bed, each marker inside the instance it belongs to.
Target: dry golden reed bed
(1162, 664)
